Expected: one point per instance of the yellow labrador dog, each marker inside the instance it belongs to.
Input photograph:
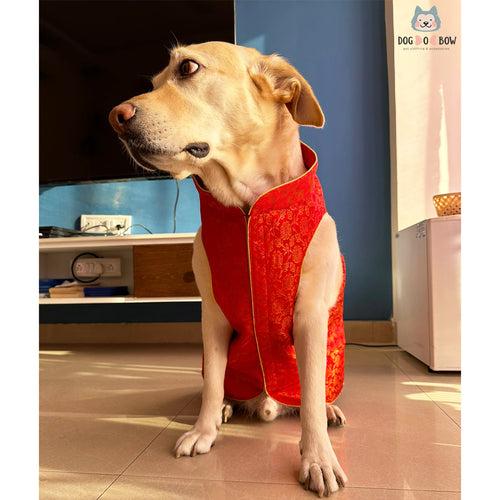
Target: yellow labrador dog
(231, 116)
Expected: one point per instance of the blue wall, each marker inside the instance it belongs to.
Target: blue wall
(339, 46)
(150, 202)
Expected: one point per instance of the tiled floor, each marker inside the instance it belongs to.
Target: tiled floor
(110, 416)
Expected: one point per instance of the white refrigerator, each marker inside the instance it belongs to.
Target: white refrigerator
(427, 308)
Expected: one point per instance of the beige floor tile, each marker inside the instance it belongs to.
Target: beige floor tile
(98, 443)
(388, 494)
(71, 486)
(165, 355)
(443, 388)
(155, 488)
(135, 488)
(100, 394)
(396, 437)
(418, 370)
(154, 381)
(102, 406)
(405, 449)
(245, 450)
(193, 407)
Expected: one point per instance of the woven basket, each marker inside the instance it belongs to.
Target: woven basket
(448, 204)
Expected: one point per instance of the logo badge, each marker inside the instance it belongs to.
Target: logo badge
(426, 20)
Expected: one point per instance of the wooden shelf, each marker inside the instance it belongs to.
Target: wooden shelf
(82, 243)
(115, 300)
(57, 253)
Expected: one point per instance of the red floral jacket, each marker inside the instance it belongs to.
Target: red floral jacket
(255, 260)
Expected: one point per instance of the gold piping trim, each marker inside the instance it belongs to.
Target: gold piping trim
(247, 221)
(315, 163)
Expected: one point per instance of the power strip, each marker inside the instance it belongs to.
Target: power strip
(114, 224)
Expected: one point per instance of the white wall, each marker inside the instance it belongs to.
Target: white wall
(425, 90)
(424, 109)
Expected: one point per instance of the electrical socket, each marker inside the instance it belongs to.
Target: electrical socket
(110, 221)
(91, 267)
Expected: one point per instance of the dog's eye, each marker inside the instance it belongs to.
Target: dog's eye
(188, 67)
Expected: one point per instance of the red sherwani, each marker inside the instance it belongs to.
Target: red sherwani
(255, 260)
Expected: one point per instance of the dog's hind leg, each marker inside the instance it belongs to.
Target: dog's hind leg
(227, 411)
(334, 415)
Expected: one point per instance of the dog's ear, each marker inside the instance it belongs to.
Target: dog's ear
(277, 79)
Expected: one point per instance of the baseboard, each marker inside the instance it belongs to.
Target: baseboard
(120, 333)
(364, 332)
(370, 332)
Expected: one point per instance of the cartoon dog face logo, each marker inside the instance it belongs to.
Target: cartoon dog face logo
(426, 20)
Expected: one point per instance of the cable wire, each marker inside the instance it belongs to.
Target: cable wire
(175, 204)
(130, 227)
(73, 268)
(85, 228)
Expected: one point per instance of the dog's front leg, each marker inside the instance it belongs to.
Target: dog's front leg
(216, 332)
(320, 283)
(216, 335)
(320, 470)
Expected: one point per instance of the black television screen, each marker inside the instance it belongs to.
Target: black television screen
(93, 55)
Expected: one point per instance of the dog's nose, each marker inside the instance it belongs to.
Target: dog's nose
(120, 116)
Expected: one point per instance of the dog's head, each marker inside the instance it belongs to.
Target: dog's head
(210, 101)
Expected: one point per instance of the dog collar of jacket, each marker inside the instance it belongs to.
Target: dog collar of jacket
(255, 261)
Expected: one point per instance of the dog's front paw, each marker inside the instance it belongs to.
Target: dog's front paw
(320, 470)
(195, 442)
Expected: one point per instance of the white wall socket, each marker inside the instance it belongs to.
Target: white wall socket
(91, 267)
(98, 223)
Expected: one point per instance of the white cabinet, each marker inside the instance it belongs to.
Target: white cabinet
(427, 309)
